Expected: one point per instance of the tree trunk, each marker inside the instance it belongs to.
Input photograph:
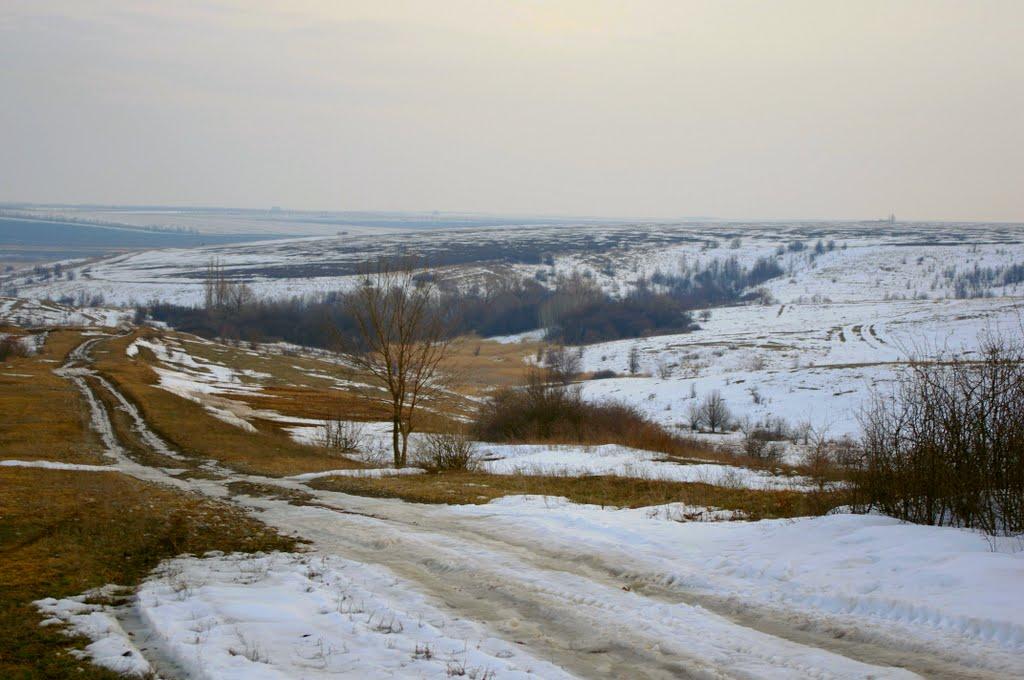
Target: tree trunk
(405, 447)
(395, 443)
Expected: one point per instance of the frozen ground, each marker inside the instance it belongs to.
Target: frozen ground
(558, 460)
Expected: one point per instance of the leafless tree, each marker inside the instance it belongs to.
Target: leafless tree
(563, 366)
(219, 292)
(694, 416)
(634, 360)
(399, 344)
(715, 413)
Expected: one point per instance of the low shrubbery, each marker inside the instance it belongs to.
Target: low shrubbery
(341, 436)
(442, 451)
(546, 411)
(947, 447)
(11, 346)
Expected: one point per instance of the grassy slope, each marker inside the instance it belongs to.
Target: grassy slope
(44, 416)
(65, 532)
(195, 432)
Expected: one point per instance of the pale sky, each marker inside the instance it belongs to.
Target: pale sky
(644, 108)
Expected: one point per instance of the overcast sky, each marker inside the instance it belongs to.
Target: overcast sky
(581, 107)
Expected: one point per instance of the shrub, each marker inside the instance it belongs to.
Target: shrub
(562, 364)
(10, 347)
(446, 451)
(341, 436)
(604, 375)
(947, 447)
(541, 411)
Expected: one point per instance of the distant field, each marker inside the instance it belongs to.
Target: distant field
(42, 240)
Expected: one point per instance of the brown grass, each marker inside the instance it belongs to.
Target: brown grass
(44, 416)
(479, 366)
(623, 492)
(192, 430)
(63, 533)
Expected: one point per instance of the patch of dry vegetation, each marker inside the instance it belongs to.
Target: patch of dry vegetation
(44, 415)
(62, 533)
(547, 412)
(478, 366)
(196, 433)
(621, 492)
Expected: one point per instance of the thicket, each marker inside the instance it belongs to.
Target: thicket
(545, 410)
(979, 281)
(947, 446)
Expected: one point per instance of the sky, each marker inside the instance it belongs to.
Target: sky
(631, 108)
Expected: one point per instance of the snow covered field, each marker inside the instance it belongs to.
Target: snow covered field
(869, 260)
(27, 313)
(810, 363)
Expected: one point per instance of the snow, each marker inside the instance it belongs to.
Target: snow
(55, 465)
(527, 336)
(368, 473)
(809, 363)
(612, 459)
(111, 647)
(929, 584)
(314, 616)
(30, 312)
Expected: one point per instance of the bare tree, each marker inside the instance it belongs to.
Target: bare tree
(221, 293)
(715, 412)
(694, 416)
(634, 360)
(563, 366)
(399, 344)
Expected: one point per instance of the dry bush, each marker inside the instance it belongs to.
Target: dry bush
(341, 436)
(440, 451)
(947, 447)
(541, 411)
(563, 365)
(757, 446)
(11, 347)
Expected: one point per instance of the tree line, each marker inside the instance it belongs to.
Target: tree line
(574, 310)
